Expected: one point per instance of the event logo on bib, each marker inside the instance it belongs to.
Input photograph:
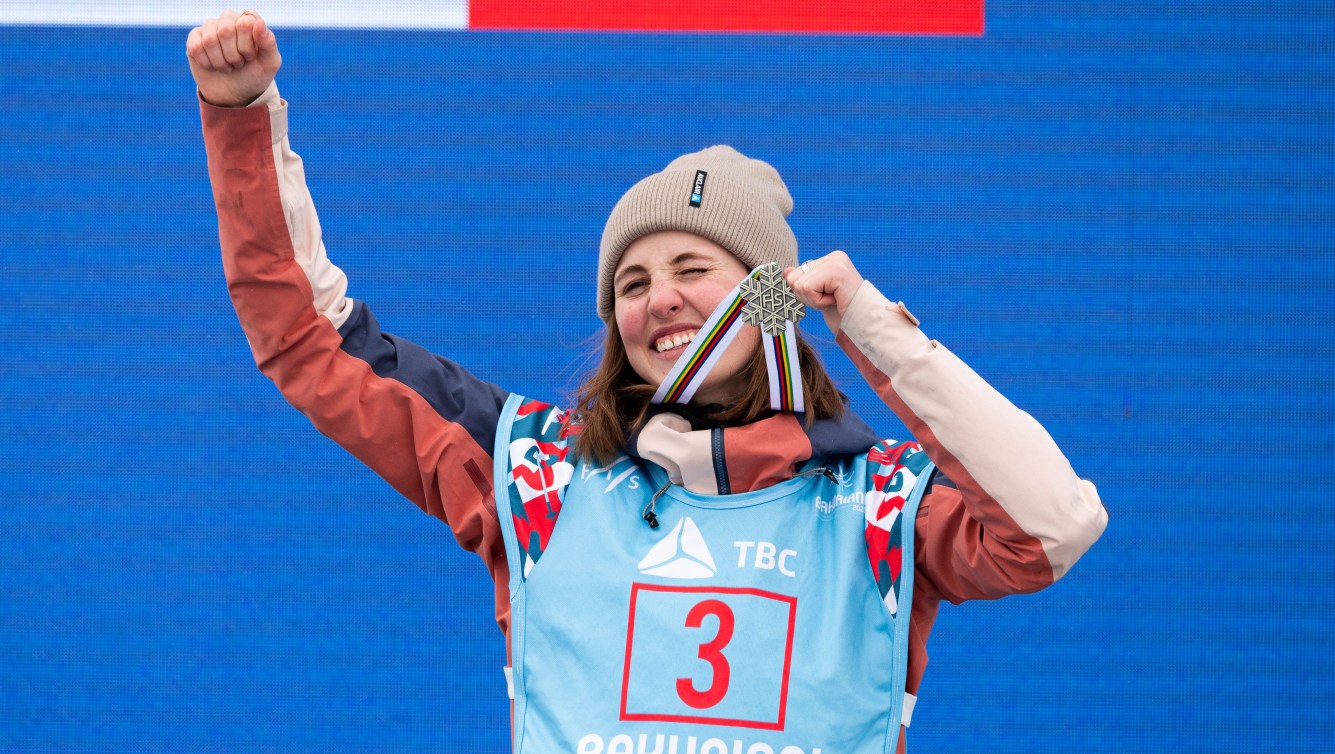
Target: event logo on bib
(682, 554)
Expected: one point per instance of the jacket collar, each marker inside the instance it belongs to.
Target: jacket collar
(706, 457)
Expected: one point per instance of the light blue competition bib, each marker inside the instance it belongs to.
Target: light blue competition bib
(766, 622)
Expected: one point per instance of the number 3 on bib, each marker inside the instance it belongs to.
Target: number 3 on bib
(683, 665)
(712, 653)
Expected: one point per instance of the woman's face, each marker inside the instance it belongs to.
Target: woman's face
(666, 286)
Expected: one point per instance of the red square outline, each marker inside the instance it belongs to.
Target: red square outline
(787, 656)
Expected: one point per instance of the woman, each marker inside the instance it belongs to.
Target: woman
(725, 577)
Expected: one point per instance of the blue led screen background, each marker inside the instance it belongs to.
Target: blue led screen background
(1121, 214)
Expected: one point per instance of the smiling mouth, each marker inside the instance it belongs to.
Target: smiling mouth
(675, 341)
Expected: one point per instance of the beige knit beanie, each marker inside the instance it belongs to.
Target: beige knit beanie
(719, 193)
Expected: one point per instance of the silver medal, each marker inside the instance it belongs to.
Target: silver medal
(770, 302)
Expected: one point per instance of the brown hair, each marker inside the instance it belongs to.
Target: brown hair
(613, 401)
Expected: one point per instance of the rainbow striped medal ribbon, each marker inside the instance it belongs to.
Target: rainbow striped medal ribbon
(765, 300)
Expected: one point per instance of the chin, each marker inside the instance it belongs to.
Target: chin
(652, 373)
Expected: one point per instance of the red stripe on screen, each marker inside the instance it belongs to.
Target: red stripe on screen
(946, 17)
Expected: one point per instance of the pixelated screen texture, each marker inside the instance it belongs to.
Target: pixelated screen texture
(1120, 214)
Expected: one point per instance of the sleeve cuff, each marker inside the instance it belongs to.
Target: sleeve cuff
(269, 98)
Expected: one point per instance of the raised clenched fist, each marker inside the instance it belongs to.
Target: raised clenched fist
(827, 284)
(233, 58)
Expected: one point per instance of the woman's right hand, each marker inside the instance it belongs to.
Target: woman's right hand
(233, 58)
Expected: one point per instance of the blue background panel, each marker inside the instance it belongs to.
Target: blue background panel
(1121, 214)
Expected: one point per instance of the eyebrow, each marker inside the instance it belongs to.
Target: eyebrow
(685, 256)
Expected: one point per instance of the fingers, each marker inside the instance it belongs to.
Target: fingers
(211, 52)
(194, 49)
(202, 47)
(245, 36)
(808, 287)
(233, 58)
(264, 40)
(228, 42)
(827, 282)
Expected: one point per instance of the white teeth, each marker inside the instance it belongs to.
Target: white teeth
(674, 341)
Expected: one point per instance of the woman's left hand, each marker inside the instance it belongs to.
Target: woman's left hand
(826, 284)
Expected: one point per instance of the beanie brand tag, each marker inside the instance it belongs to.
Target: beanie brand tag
(698, 189)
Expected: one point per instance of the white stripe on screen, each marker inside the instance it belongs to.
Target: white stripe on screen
(390, 14)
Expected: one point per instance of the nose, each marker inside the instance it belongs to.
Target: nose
(664, 299)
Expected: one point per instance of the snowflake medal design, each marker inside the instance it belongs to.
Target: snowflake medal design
(770, 301)
(772, 306)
